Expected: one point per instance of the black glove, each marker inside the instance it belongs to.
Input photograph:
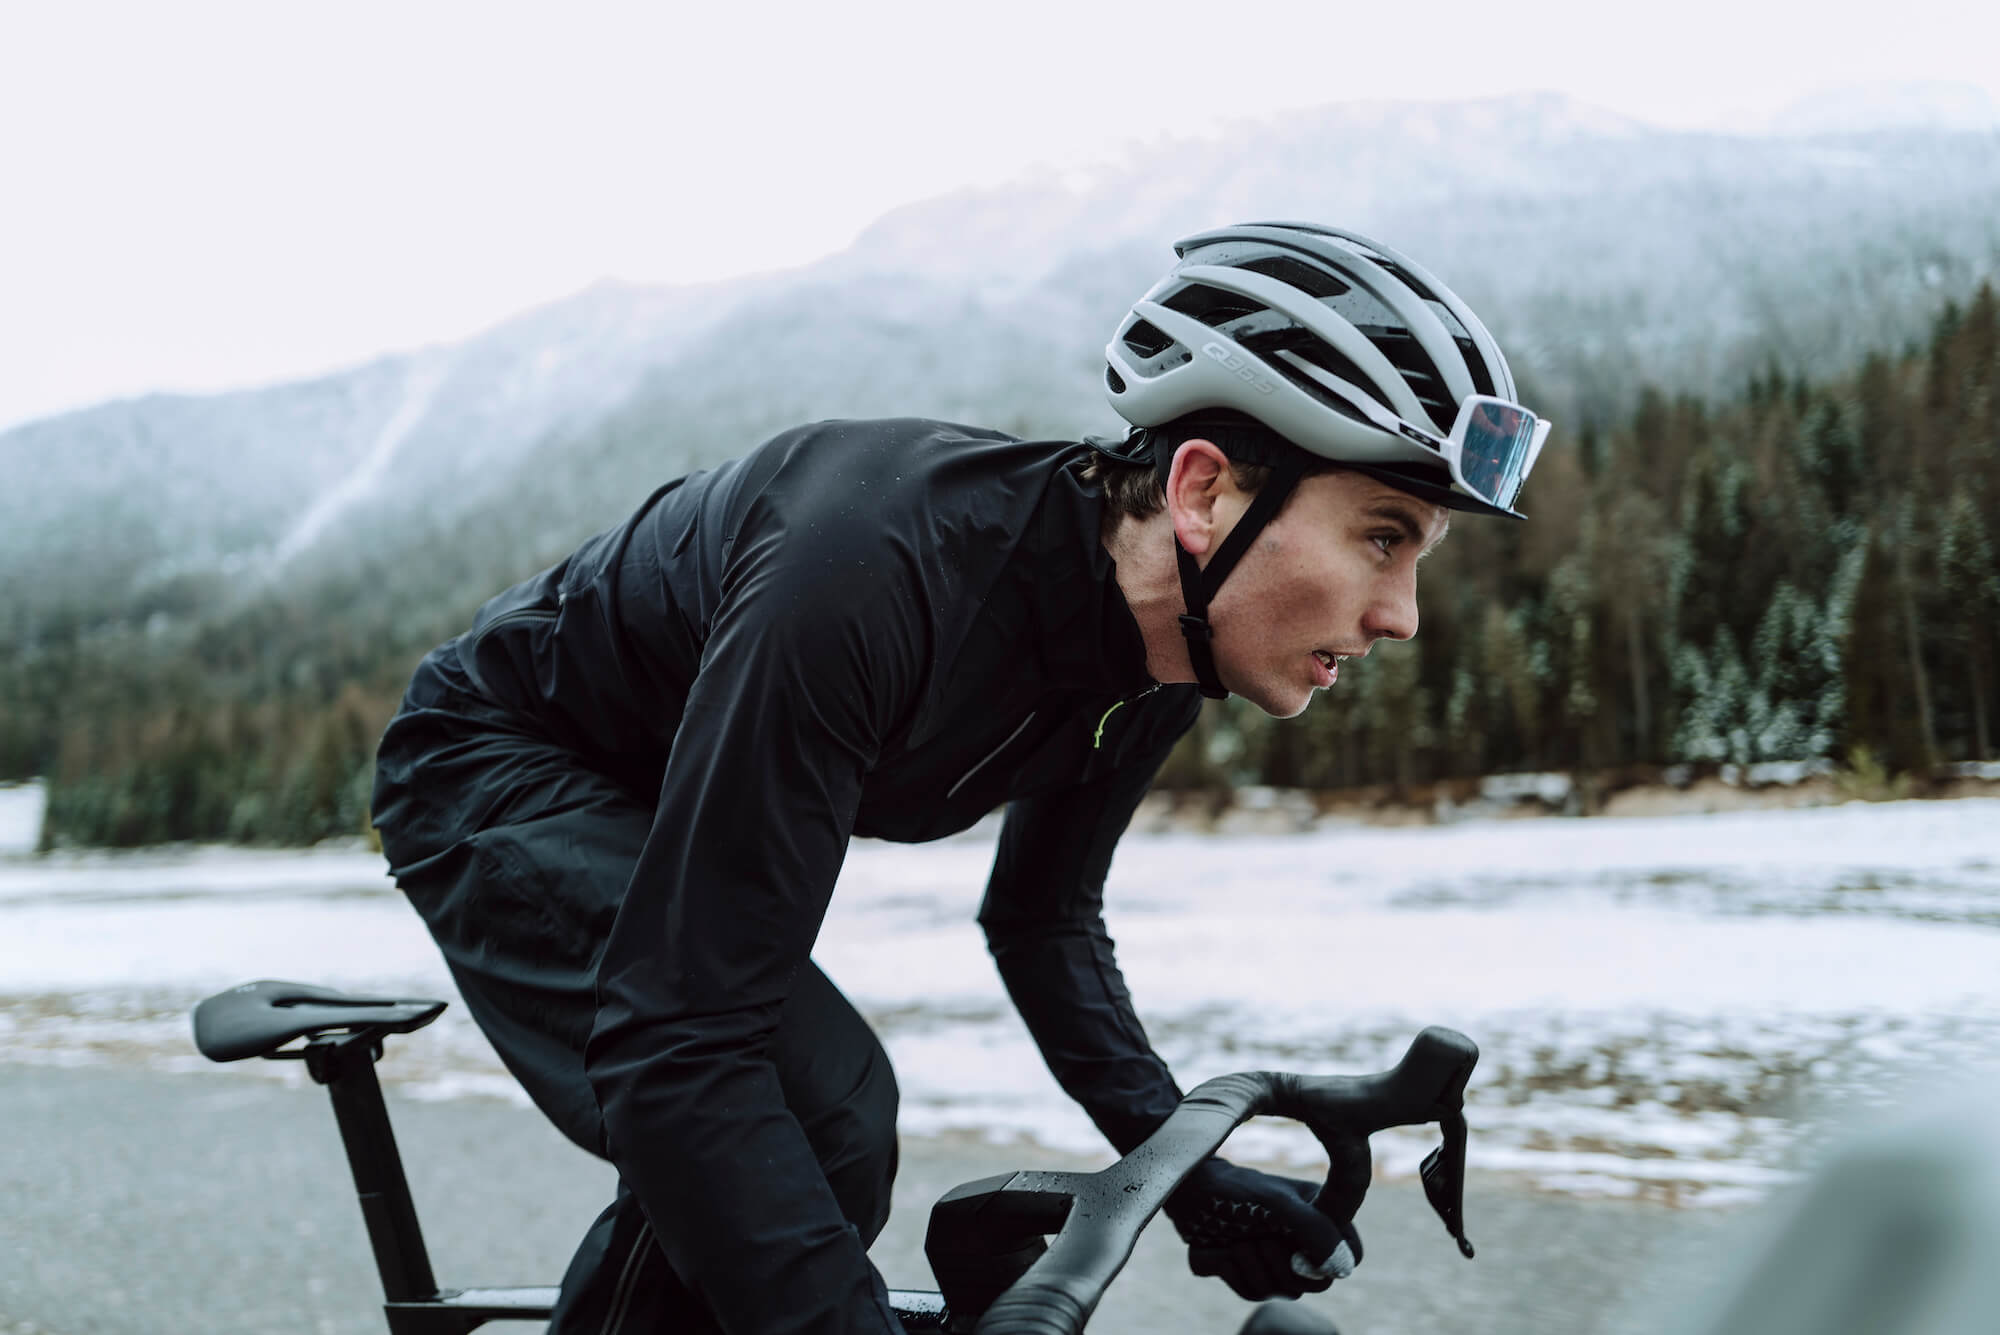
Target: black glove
(1244, 1227)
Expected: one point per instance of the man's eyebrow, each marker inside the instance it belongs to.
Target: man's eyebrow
(1401, 516)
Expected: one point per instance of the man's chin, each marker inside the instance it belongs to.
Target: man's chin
(1284, 702)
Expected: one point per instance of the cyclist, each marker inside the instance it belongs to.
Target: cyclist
(621, 798)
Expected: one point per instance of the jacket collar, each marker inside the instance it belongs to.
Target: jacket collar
(1088, 638)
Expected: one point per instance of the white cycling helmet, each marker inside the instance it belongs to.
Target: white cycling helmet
(1341, 346)
(1342, 349)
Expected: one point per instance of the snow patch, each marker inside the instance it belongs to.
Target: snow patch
(1988, 770)
(423, 376)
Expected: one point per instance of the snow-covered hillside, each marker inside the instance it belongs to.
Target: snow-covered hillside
(1606, 254)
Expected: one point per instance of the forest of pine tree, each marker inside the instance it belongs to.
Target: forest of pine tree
(1806, 573)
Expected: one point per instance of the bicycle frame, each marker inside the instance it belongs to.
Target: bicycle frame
(1026, 1253)
(412, 1300)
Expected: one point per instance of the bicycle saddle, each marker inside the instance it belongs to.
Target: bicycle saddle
(256, 1019)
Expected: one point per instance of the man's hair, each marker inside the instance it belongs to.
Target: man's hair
(1134, 490)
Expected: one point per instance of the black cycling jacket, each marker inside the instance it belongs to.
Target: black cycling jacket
(878, 628)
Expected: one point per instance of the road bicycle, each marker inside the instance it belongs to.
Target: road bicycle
(1024, 1253)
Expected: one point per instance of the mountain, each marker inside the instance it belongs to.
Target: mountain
(1364, 163)
(1869, 108)
(151, 490)
(1607, 255)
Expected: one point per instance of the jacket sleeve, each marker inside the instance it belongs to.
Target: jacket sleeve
(806, 667)
(1044, 922)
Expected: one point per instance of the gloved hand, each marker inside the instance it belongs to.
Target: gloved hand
(1244, 1227)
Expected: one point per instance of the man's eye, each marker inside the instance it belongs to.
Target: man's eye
(1388, 542)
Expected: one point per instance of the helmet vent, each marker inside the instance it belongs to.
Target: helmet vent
(1145, 338)
(1482, 375)
(1114, 381)
(1407, 355)
(1212, 306)
(1321, 354)
(1324, 397)
(1297, 273)
(1407, 279)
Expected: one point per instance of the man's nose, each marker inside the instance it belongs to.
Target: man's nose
(1393, 615)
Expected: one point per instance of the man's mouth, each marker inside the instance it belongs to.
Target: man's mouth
(1329, 665)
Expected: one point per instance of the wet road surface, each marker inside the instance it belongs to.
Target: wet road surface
(140, 1203)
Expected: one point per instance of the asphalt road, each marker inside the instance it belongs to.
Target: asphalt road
(138, 1203)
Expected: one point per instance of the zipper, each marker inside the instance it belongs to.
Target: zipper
(1097, 740)
(469, 644)
(628, 1281)
(966, 777)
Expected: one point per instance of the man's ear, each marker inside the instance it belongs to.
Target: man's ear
(1199, 477)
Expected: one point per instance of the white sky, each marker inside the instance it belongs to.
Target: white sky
(200, 195)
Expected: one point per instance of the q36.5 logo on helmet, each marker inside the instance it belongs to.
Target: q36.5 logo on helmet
(1242, 368)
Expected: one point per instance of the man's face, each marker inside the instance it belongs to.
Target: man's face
(1333, 573)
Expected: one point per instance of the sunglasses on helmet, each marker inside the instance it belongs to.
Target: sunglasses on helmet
(1489, 451)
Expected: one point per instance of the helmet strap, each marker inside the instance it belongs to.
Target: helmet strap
(1199, 583)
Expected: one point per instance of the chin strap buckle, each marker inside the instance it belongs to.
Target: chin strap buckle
(1201, 657)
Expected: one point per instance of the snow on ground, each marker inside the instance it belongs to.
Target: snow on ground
(1677, 1008)
(20, 817)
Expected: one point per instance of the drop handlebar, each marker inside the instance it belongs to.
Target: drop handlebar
(999, 1277)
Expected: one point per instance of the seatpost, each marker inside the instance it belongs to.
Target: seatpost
(345, 1064)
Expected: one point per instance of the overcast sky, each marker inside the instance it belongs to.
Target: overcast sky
(197, 195)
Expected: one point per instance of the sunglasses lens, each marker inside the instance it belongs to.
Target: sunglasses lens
(1497, 448)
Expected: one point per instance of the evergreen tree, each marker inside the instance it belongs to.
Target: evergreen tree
(1969, 579)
